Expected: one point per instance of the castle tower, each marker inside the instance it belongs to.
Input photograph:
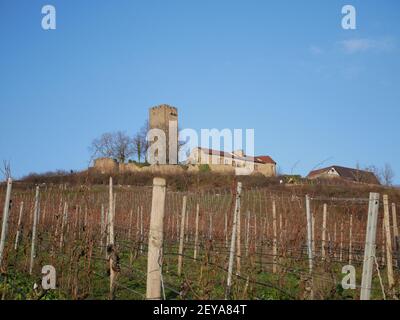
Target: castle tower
(159, 118)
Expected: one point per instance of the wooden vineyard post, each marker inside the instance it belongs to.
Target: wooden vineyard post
(44, 214)
(370, 246)
(77, 227)
(154, 259)
(177, 226)
(313, 233)
(351, 240)
(196, 234)
(182, 236)
(247, 232)
(389, 261)
(111, 249)
(226, 227)
(35, 218)
(187, 226)
(263, 231)
(113, 213)
(383, 242)
(238, 242)
(396, 238)
(6, 213)
(141, 230)
(110, 220)
(21, 212)
(85, 219)
(130, 236)
(210, 226)
(64, 220)
(275, 240)
(330, 245)
(341, 242)
(102, 227)
(130, 224)
(107, 230)
(233, 240)
(137, 229)
(309, 240)
(325, 211)
(398, 251)
(57, 217)
(334, 241)
(395, 227)
(255, 233)
(267, 224)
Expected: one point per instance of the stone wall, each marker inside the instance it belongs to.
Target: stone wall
(164, 169)
(110, 166)
(267, 169)
(128, 167)
(106, 165)
(221, 168)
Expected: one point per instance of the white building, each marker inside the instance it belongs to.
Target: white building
(229, 161)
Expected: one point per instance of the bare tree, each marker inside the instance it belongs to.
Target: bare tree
(387, 175)
(145, 144)
(117, 145)
(6, 170)
(140, 143)
(139, 147)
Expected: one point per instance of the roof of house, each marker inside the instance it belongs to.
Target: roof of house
(348, 173)
(266, 159)
(217, 152)
(257, 159)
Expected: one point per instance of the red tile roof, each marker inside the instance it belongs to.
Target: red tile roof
(266, 159)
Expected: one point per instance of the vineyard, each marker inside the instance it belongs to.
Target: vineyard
(234, 243)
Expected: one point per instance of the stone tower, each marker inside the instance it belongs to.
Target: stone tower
(159, 118)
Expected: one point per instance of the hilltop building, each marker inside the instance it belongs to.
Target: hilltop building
(348, 174)
(160, 118)
(227, 161)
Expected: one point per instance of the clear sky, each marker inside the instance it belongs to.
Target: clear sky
(310, 89)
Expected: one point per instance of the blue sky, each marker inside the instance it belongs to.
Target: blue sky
(310, 89)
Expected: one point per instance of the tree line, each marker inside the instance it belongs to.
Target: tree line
(122, 147)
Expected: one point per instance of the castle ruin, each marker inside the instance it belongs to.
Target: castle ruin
(160, 118)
